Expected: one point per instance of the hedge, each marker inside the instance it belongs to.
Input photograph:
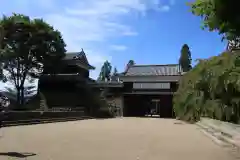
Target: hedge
(211, 89)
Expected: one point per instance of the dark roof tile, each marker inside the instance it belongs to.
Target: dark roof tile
(71, 55)
(154, 70)
(74, 55)
(79, 56)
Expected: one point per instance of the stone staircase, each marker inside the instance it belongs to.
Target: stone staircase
(42, 121)
(227, 135)
(222, 133)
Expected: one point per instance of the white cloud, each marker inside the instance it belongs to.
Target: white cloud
(164, 8)
(118, 47)
(130, 33)
(91, 21)
(86, 23)
(172, 2)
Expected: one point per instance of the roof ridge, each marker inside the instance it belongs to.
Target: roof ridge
(73, 52)
(150, 65)
(159, 70)
(77, 52)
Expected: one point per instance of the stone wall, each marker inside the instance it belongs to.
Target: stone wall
(118, 102)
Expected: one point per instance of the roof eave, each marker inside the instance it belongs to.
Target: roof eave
(91, 67)
(167, 78)
(149, 75)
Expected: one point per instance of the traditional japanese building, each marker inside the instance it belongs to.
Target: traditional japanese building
(66, 84)
(143, 88)
(136, 92)
(150, 87)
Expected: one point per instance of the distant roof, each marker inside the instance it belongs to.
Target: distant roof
(79, 56)
(154, 70)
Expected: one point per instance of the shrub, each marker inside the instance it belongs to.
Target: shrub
(97, 105)
(212, 89)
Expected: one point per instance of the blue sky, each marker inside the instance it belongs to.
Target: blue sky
(147, 31)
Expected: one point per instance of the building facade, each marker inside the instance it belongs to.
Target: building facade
(66, 84)
(143, 90)
(139, 91)
(150, 88)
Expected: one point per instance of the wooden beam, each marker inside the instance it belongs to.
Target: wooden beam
(149, 93)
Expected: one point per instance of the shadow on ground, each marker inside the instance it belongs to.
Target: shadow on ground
(17, 154)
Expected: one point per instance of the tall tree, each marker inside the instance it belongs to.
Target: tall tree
(114, 76)
(29, 91)
(1, 52)
(185, 59)
(27, 46)
(115, 71)
(105, 73)
(129, 64)
(220, 15)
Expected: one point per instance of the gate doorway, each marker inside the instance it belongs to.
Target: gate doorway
(145, 105)
(153, 108)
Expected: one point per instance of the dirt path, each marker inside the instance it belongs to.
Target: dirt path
(112, 139)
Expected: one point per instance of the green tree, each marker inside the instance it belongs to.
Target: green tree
(129, 64)
(27, 46)
(115, 71)
(1, 52)
(185, 59)
(220, 15)
(105, 73)
(29, 91)
(210, 89)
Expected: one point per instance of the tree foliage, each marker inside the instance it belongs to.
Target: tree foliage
(27, 45)
(29, 91)
(115, 72)
(105, 73)
(129, 64)
(212, 89)
(220, 15)
(185, 59)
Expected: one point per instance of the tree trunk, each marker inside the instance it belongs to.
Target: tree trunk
(22, 96)
(18, 97)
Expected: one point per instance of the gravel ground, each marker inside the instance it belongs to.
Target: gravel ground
(109, 139)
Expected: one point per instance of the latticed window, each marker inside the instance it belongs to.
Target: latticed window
(151, 85)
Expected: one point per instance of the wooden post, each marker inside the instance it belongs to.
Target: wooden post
(122, 105)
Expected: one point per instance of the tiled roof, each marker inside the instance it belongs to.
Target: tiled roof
(114, 78)
(79, 56)
(75, 55)
(71, 55)
(154, 70)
